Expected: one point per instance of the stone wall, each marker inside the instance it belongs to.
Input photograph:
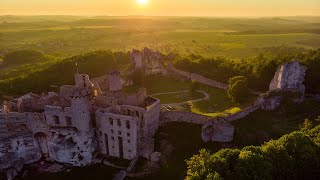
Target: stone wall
(113, 128)
(199, 78)
(243, 113)
(182, 116)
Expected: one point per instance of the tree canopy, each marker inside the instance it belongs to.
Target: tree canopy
(259, 69)
(23, 57)
(238, 88)
(293, 156)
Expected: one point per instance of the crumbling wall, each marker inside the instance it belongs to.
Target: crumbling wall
(136, 58)
(117, 134)
(115, 82)
(13, 123)
(151, 118)
(243, 113)
(196, 77)
(136, 99)
(182, 116)
(217, 130)
(32, 102)
(66, 91)
(71, 146)
(207, 81)
(15, 148)
(37, 122)
(57, 116)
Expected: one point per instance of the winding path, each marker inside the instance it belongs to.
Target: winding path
(206, 97)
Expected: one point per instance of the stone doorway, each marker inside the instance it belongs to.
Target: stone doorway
(41, 139)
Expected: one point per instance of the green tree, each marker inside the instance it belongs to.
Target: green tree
(293, 156)
(238, 88)
(250, 165)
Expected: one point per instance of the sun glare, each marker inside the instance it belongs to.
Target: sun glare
(142, 2)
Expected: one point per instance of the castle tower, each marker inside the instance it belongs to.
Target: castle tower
(81, 109)
(83, 81)
(136, 58)
(114, 79)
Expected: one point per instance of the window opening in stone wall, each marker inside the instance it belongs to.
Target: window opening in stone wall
(120, 147)
(56, 120)
(128, 124)
(69, 122)
(111, 121)
(107, 144)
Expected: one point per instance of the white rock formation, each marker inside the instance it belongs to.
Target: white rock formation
(289, 78)
(217, 130)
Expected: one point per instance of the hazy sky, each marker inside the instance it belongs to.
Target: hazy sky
(163, 7)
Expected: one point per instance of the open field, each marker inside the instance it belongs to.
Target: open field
(230, 37)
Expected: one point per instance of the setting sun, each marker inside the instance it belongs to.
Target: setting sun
(142, 2)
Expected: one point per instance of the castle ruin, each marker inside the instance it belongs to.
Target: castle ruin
(81, 120)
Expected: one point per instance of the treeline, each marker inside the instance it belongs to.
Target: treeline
(259, 70)
(43, 79)
(24, 57)
(293, 156)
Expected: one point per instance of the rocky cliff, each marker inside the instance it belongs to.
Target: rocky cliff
(289, 78)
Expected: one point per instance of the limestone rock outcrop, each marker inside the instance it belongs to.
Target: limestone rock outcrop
(217, 130)
(289, 78)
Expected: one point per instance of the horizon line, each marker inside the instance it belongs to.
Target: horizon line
(211, 16)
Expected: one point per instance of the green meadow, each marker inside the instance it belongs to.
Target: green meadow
(64, 36)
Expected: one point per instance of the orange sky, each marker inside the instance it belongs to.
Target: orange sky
(162, 7)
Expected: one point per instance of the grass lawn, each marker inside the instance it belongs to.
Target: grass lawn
(218, 104)
(179, 97)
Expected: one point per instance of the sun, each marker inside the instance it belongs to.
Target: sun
(142, 2)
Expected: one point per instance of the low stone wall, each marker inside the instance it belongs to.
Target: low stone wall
(217, 129)
(182, 116)
(242, 113)
(207, 81)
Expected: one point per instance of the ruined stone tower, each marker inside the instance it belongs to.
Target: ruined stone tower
(81, 109)
(114, 79)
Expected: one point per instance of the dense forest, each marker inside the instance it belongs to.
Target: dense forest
(259, 70)
(293, 156)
